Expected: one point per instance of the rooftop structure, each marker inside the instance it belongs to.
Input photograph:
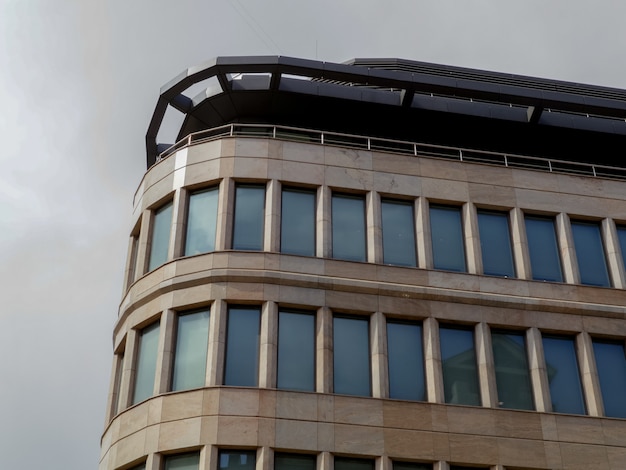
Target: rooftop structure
(377, 265)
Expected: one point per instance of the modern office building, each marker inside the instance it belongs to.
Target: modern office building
(377, 265)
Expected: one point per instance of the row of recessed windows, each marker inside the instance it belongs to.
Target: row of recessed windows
(407, 375)
(448, 234)
(229, 459)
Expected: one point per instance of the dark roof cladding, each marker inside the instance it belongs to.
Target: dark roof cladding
(401, 99)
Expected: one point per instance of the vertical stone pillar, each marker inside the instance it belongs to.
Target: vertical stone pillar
(380, 373)
(225, 212)
(432, 362)
(165, 353)
(589, 375)
(422, 233)
(324, 347)
(217, 343)
(374, 227)
(538, 372)
(129, 369)
(324, 245)
(271, 240)
(520, 244)
(472, 240)
(269, 345)
(614, 259)
(568, 251)
(486, 368)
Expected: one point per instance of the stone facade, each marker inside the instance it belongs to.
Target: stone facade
(266, 419)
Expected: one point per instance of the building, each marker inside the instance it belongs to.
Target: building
(383, 264)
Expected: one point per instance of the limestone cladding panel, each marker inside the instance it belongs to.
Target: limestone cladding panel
(362, 426)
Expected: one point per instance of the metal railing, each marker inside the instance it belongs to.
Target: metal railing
(399, 147)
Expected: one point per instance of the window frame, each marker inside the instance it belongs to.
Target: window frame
(176, 344)
(457, 209)
(557, 247)
(362, 256)
(162, 255)
(190, 194)
(260, 229)
(485, 246)
(500, 386)
(313, 315)
(420, 360)
(227, 345)
(582, 259)
(362, 318)
(412, 243)
(155, 326)
(475, 375)
(284, 222)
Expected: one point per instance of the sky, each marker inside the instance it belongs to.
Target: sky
(79, 80)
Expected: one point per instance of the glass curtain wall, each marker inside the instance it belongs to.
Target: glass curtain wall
(348, 227)
(495, 243)
(249, 217)
(201, 221)
(296, 350)
(297, 223)
(160, 237)
(242, 347)
(611, 364)
(406, 361)
(146, 362)
(398, 227)
(351, 358)
(447, 238)
(192, 338)
(512, 373)
(460, 373)
(545, 261)
(566, 391)
(590, 254)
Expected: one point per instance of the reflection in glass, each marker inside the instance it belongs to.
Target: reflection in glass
(351, 357)
(611, 365)
(242, 347)
(294, 461)
(406, 361)
(495, 244)
(192, 339)
(460, 374)
(512, 374)
(146, 362)
(160, 239)
(237, 460)
(398, 233)
(562, 367)
(201, 222)
(590, 254)
(344, 463)
(447, 238)
(249, 217)
(296, 350)
(189, 461)
(348, 213)
(545, 262)
(297, 225)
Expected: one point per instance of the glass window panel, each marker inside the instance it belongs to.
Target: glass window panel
(119, 368)
(348, 227)
(249, 217)
(406, 361)
(411, 466)
(192, 338)
(351, 356)
(343, 463)
(201, 222)
(139, 467)
(621, 236)
(160, 239)
(563, 375)
(512, 374)
(543, 249)
(398, 233)
(190, 461)
(447, 238)
(296, 350)
(146, 362)
(458, 357)
(495, 244)
(611, 364)
(297, 224)
(590, 254)
(242, 346)
(294, 461)
(237, 460)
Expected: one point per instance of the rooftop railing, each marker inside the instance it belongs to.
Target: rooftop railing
(399, 147)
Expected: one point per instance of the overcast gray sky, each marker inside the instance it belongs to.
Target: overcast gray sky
(79, 80)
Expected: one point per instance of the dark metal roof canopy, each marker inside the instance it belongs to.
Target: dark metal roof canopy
(403, 99)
